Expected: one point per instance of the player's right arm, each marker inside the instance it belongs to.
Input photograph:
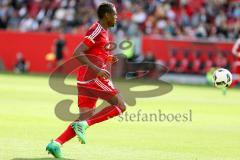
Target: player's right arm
(235, 49)
(79, 53)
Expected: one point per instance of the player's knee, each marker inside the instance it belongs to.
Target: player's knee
(122, 106)
(118, 101)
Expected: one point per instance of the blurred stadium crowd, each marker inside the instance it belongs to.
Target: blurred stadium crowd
(213, 19)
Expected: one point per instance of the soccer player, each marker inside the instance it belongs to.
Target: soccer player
(236, 52)
(93, 45)
(236, 48)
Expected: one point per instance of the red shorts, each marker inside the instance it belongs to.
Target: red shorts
(88, 93)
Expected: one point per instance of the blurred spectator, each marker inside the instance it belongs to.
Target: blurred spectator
(28, 24)
(21, 65)
(167, 18)
(59, 49)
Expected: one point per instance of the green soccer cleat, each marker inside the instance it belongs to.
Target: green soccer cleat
(54, 149)
(80, 129)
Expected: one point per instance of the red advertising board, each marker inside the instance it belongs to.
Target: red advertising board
(35, 47)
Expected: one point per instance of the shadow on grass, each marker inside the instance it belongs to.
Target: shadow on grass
(39, 159)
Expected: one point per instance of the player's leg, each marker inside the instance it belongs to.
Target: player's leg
(102, 89)
(235, 73)
(117, 107)
(54, 148)
(69, 133)
(112, 96)
(105, 91)
(86, 105)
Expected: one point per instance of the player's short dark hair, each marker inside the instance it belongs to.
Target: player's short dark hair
(105, 7)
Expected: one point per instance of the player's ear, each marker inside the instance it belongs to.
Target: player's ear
(107, 15)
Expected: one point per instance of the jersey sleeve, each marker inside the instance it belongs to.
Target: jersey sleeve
(90, 38)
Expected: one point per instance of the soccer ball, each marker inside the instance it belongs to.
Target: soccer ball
(222, 78)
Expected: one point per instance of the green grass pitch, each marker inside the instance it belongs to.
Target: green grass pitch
(28, 123)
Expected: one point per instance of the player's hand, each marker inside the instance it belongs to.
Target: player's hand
(112, 59)
(237, 54)
(103, 73)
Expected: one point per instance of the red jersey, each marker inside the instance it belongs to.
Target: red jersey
(96, 39)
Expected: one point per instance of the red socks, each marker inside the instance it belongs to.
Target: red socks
(105, 114)
(66, 135)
